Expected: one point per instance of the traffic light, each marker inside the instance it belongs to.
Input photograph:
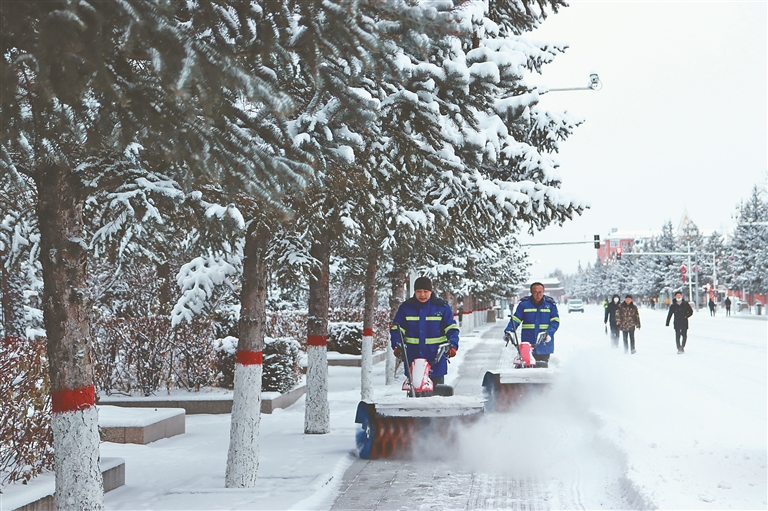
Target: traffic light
(597, 241)
(618, 254)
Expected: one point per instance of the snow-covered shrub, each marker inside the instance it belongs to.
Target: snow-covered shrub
(226, 320)
(381, 322)
(148, 339)
(25, 416)
(226, 352)
(108, 355)
(281, 364)
(144, 354)
(287, 323)
(194, 356)
(345, 337)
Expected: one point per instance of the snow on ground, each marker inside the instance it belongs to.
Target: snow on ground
(672, 431)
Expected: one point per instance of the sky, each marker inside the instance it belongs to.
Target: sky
(678, 126)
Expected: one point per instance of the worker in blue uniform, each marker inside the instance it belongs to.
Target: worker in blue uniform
(537, 314)
(422, 323)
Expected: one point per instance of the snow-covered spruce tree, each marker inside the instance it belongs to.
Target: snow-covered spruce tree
(20, 276)
(334, 46)
(750, 244)
(664, 271)
(340, 118)
(496, 270)
(81, 81)
(712, 260)
(504, 178)
(440, 105)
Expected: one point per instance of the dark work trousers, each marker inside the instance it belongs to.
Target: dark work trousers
(615, 335)
(681, 332)
(631, 335)
(544, 358)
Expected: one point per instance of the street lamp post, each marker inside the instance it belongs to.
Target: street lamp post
(594, 84)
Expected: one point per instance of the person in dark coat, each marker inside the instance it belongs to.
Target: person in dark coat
(681, 310)
(610, 316)
(711, 307)
(422, 323)
(727, 303)
(628, 318)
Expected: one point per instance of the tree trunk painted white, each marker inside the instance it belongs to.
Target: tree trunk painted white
(366, 369)
(366, 356)
(79, 484)
(243, 455)
(397, 282)
(66, 313)
(389, 366)
(317, 416)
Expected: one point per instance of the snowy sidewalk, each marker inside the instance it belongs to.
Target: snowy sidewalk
(442, 479)
(651, 430)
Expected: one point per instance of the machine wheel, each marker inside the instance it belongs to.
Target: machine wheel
(366, 436)
(490, 391)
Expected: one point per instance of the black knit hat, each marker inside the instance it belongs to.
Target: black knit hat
(422, 283)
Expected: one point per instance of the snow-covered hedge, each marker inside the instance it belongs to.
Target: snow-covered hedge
(345, 337)
(145, 354)
(226, 352)
(281, 364)
(281, 370)
(292, 323)
(26, 448)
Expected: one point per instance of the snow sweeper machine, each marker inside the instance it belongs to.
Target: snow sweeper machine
(392, 426)
(504, 389)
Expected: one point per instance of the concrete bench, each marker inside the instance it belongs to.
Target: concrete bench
(214, 404)
(123, 426)
(271, 401)
(342, 359)
(37, 495)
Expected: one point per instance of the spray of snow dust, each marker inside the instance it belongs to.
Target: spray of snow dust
(548, 433)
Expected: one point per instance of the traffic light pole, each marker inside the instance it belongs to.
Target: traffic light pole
(556, 243)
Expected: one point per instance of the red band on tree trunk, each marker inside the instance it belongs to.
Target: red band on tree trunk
(316, 340)
(368, 332)
(69, 400)
(248, 358)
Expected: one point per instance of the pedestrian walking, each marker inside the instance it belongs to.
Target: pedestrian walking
(424, 322)
(628, 318)
(610, 319)
(538, 319)
(711, 307)
(681, 310)
(727, 303)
